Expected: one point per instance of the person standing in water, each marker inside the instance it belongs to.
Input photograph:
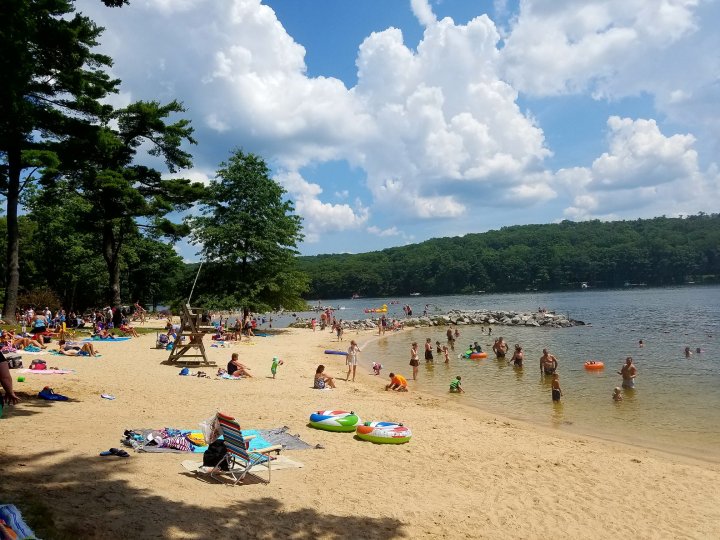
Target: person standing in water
(548, 363)
(628, 372)
(517, 357)
(428, 350)
(556, 391)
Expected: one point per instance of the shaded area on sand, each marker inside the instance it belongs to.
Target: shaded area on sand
(83, 497)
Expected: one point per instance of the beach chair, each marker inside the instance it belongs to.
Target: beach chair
(239, 459)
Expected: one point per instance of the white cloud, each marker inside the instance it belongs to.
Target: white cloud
(644, 174)
(437, 130)
(391, 231)
(560, 46)
(423, 12)
(320, 217)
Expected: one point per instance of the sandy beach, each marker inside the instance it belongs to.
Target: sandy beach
(465, 474)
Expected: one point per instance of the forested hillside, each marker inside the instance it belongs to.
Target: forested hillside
(659, 251)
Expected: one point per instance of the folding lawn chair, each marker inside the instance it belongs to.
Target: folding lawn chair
(238, 457)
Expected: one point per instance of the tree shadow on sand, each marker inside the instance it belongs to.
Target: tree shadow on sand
(80, 498)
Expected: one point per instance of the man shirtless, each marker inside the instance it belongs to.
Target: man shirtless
(548, 363)
(628, 372)
(500, 347)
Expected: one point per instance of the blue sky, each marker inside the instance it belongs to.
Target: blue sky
(393, 121)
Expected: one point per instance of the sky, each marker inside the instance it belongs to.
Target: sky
(390, 122)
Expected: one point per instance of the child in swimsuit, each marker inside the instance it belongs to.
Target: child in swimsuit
(455, 386)
(617, 394)
(556, 392)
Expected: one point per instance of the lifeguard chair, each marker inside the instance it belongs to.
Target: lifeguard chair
(193, 328)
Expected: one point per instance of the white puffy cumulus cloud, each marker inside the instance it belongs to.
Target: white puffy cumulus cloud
(320, 217)
(563, 46)
(449, 131)
(435, 129)
(613, 49)
(644, 174)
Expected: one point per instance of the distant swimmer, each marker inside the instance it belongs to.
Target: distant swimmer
(687, 352)
(617, 394)
(548, 363)
(628, 372)
(641, 344)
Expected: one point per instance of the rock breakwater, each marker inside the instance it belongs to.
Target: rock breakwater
(488, 317)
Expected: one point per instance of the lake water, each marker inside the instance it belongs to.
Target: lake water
(676, 403)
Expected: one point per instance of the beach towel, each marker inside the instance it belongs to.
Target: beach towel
(31, 350)
(10, 514)
(230, 377)
(107, 340)
(282, 437)
(139, 440)
(47, 371)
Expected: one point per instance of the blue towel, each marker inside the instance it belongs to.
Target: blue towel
(257, 442)
(10, 514)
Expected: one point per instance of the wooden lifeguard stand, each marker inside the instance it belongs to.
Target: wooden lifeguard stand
(192, 328)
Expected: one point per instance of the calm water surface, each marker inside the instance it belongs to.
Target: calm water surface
(676, 403)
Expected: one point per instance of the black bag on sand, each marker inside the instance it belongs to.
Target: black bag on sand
(215, 454)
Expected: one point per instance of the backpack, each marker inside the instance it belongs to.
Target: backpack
(215, 454)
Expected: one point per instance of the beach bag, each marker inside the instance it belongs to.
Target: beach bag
(216, 453)
(15, 363)
(210, 429)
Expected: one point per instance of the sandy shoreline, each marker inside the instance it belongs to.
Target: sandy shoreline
(466, 473)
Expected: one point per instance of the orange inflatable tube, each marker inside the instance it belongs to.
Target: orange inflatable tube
(478, 355)
(594, 364)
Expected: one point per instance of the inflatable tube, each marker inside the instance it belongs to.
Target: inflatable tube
(328, 351)
(477, 355)
(594, 365)
(335, 420)
(384, 433)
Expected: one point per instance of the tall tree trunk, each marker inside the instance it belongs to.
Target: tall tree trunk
(12, 277)
(111, 254)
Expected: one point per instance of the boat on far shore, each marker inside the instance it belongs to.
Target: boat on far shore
(414, 294)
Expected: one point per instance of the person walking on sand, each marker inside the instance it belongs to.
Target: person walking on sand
(414, 359)
(352, 359)
(628, 372)
(548, 363)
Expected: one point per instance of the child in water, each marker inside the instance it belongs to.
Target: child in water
(556, 392)
(455, 386)
(617, 394)
(376, 367)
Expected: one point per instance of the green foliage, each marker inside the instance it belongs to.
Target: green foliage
(660, 251)
(52, 87)
(249, 235)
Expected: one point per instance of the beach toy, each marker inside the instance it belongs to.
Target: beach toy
(384, 433)
(21, 379)
(594, 364)
(335, 420)
(328, 351)
(477, 355)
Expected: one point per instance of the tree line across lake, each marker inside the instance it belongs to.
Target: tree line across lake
(655, 252)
